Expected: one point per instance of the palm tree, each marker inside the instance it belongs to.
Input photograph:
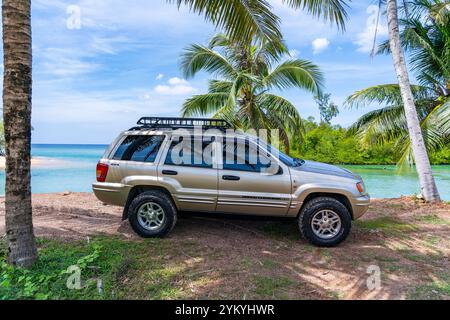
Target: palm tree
(425, 121)
(17, 119)
(245, 74)
(245, 19)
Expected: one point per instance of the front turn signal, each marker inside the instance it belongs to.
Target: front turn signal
(360, 186)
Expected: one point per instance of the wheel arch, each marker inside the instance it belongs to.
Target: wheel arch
(338, 196)
(137, 190)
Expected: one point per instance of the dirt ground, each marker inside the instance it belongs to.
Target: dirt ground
(407, 240)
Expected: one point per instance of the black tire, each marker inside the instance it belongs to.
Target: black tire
(314, 206)
(161, 199)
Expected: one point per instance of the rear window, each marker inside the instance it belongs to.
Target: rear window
(139, 148)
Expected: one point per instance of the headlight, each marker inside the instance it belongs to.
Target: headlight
(361, 187)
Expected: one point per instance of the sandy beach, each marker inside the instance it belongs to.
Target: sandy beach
(39, 162)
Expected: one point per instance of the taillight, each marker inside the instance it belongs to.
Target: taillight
(102, 171)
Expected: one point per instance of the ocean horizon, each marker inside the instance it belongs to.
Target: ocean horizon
(73, 169)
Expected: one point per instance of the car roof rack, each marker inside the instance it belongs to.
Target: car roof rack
(181, 123)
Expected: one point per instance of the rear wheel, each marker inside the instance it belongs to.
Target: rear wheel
(152, 214)
(325, 222)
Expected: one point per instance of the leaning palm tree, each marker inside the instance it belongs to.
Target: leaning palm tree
(244, 76)
(246, 19)
(16, 116)
(427, 125)
(426, 179)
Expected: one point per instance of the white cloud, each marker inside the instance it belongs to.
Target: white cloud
(160, 76)
(175, 90)
(108, 45)
(365, 39)
(320, 44)
(64, 63)
(177, 81)
(175, 86)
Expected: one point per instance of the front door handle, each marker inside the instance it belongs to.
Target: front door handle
(231, 178)
(169, 172)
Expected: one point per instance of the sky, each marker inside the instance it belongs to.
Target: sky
(100, 65)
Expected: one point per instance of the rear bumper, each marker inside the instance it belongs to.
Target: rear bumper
(111, 193)
(360, 206)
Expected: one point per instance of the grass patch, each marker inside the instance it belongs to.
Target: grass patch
(386, 259)
(106, 268)
(269, 264)
(270, 287)
(432, 240)
(433, 219)
(430, 258)
(386, 224)
(437, 290)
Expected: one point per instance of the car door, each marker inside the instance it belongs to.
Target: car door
(245, 187)
(189, 174)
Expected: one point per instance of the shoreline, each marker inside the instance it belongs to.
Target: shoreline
(39, 162)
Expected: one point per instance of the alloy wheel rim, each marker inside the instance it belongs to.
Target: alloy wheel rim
(326, 224)
(151, 216)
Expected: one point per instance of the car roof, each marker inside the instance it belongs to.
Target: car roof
(208, 133)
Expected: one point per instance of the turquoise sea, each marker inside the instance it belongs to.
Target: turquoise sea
(73, 169)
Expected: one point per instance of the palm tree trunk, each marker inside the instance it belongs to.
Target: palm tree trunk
(17, 61)
(426, 179)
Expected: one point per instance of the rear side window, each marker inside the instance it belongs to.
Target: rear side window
(200, 158)
(139, 148)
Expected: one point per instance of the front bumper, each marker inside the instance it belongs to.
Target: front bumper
(111, 193)
(360, 206)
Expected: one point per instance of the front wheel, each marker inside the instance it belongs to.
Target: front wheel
(325, 222)
(152, 214)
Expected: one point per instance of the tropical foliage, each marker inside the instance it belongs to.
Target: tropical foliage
(427, 41)
(246, 19)
(244, 78)
(327, 108)
(333, 144)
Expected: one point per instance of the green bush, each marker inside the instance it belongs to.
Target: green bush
(334, 144)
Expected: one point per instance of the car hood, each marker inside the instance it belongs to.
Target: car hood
(327, 169)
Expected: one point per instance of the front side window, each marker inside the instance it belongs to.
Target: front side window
(139, 148)
(239, 156)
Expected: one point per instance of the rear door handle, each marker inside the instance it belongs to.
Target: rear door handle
(169, 172)
(231, 178)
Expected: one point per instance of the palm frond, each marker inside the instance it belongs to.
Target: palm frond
(331, 10)
(296, 73)
(389, 125)
(204, 104)
(196, 58)
(284, 110)
(241, 19)
(386, 94)
(218, 86)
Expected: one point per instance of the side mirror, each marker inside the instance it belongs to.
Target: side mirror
(271, 171)
(280, 171)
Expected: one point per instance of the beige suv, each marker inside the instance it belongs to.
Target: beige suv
(169, 165)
